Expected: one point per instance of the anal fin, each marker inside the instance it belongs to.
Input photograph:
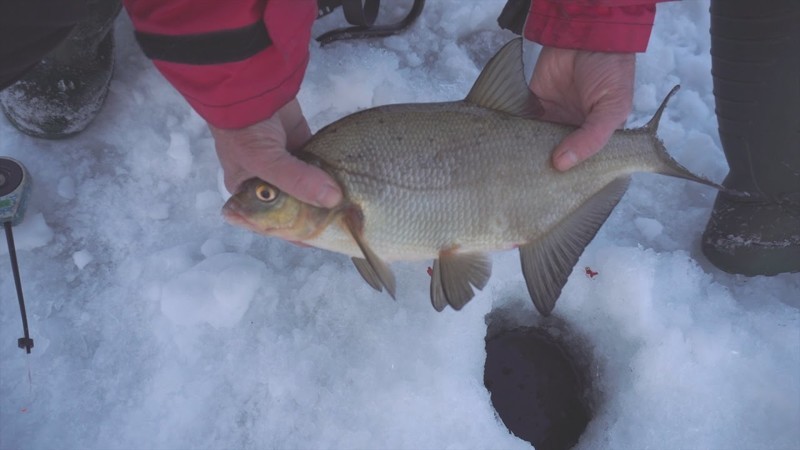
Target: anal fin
(453, 277)
(548, 262)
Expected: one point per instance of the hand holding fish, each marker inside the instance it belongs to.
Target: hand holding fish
(260, 150)
(591, 90)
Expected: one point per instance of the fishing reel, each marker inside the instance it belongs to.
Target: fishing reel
(15, 187)
(14, 190)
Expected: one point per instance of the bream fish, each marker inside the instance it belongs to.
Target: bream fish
(453, 181)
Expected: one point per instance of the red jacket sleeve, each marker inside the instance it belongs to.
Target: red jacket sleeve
(238, 93)
(621, 26)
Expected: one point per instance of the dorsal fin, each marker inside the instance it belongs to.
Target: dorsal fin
(501, 85)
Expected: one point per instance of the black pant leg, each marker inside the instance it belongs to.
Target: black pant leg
(29, 29)
(755, 51)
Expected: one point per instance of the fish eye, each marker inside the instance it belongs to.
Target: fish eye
(266, 193)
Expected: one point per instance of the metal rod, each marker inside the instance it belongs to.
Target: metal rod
(24, 342)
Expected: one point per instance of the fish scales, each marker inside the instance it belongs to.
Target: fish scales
(431, 177)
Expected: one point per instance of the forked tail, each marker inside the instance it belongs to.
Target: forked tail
(670, 166)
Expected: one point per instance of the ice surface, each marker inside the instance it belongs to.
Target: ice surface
(157, 325)
(648, 227)
(179, 152)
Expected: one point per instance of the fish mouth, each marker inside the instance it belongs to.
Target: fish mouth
(234, 215)
(232, 212)
(235, 218)
(237, 215)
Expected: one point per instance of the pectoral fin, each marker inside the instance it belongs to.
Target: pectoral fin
(372, 268)
(365, 269)
(548, 262)
(453, 277)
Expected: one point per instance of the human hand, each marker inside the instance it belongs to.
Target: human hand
(260, 150)
(592, 90)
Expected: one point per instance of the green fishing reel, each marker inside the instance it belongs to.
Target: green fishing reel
(15, 187)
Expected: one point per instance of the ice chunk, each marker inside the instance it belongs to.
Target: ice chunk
(208, 200)
(66, 188)
(81, 258)
(216, 291)
(179, 151)
(212, 247)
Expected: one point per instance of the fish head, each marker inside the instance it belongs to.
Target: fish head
(265, 209)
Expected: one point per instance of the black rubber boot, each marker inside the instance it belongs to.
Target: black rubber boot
(755, 49)
(65, 91)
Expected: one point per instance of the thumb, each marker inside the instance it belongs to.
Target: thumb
(581, 144)
(605, 118)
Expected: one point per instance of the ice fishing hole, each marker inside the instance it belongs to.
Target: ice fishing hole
(539, 380)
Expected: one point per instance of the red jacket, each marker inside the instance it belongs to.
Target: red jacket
(238, 61)
(621, 26)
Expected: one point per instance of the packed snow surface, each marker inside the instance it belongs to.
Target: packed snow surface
(157, 325)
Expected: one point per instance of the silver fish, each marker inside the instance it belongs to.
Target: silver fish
(453, 181)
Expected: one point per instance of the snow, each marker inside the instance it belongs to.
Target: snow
(157, 325)
(33, 233)
(649, 228)
(217, 291)
(82, 258)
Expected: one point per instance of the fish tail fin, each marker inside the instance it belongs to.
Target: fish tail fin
(668, 165)
(652, 125)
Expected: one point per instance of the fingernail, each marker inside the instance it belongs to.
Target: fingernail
(329, 196)
(566, 160)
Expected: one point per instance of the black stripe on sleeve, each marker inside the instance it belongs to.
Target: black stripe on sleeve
(206, 48)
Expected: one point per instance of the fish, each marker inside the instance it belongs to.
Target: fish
(456, 181)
